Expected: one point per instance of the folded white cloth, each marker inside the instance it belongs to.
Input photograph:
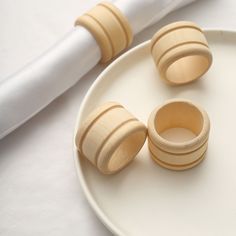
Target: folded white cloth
(32, 88)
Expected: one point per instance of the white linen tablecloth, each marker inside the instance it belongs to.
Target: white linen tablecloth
(39, 190)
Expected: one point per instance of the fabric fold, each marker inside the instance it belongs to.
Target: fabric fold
(29, 90)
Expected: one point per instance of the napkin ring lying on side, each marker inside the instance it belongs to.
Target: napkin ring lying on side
(109, 27)
(181, 52)
(110, 137)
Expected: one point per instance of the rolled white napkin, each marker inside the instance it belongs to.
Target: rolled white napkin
(29, 90)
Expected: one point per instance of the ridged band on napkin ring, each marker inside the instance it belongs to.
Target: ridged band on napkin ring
(110, 137)
(173, 114)
(109, 27)
(181, 52)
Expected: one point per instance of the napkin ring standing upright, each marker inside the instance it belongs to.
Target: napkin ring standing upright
(174, 114)
(181, 52)
(109, 27)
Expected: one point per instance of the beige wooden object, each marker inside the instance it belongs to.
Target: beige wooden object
(109, 27)
(181, 52)
(110, 137)
(174, 114)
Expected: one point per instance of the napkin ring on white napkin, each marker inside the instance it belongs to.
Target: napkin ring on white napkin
(110, 137)
(109, 27)
(174, 114)
(181, 52)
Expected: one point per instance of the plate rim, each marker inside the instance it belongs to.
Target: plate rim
(78, 166)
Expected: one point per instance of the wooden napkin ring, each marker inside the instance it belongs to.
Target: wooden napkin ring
(173, 114)
(181, 52)
(110, 137)
(109, 27)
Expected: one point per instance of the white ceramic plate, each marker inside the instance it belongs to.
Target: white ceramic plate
(145, 199)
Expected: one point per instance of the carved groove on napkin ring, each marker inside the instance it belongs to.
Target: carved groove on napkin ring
(109, 27)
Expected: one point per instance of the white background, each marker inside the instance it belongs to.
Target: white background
(39, 190)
